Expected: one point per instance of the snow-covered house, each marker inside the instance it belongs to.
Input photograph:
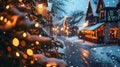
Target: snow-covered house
(41, 6)
(106, 28)
(94, 33)
(108, 14)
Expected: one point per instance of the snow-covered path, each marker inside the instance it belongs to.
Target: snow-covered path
(87, 54)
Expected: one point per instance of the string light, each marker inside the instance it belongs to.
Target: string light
(23, 43)
(30, 52)
(37, 43)
(17, 54)
(37, 25)
(5, 20)
(1, 18)
(24, 34)
(8, 6)
(9, 48)
(15, 42)
(25, 56)
(32, 62)
(40, 35)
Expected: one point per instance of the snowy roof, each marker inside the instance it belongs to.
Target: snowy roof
(94, 6)
(110, 3)
(94, 26)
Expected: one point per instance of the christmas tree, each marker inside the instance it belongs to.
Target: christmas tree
(23, 40)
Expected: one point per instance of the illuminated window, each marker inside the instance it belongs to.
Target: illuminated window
(101, 14)
(113, 33)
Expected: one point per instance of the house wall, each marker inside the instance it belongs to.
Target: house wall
(106, 32)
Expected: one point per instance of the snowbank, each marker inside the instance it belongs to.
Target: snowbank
(108, 56)
(50, 62)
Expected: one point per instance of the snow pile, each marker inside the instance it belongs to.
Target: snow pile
(72, 39)
(50, 62)
(105, 56)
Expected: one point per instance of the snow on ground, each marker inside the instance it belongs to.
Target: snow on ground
(107, 56)
(77, 40)
(51, 62)
(62, 50)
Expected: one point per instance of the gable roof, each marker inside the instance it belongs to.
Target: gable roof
(89, 10)
(98, 5)
(107, 3)
(94, 6)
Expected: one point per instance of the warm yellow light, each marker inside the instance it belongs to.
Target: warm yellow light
(9, 48)
(20, 0)
(40, 5)
(36, 59)
(8, 6)
(30, 52)
(40, 35)
(32, 44)
(53, 29)
(1, 18)
(17, 54)
(25, 56)
(22, 5)
(37, 43)
(4, 32)
(23, 43)
(37, 25)
(32, 62)
(24, 34)
(15, 42)
(5, 20)
(62, 29)
(51, 64)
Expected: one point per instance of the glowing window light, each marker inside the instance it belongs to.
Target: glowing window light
(17, 54)
(1, 18)
(29, 52)
(37, 43)
(40, 5)
(15, 42)
(24, 34)
(37, 25)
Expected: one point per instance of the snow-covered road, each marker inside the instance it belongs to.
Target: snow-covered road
(87, 54)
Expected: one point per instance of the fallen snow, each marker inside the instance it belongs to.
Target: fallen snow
(107, 54)
(50, 61)
(75, 39)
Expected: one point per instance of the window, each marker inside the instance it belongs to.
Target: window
(113, 33)
(101, 14)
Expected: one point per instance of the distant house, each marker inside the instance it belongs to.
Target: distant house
(41, 6)
(103, 23)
